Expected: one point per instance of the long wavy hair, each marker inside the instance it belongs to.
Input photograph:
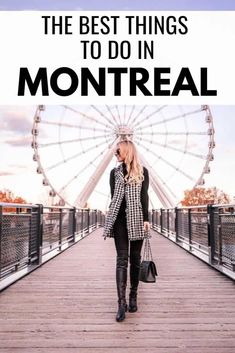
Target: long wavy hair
(134, 168)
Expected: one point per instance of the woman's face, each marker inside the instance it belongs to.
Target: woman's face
(120, 153)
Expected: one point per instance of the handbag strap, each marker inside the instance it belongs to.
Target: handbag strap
(147, 255)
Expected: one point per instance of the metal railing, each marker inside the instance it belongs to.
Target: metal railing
(32, 234)
(206, 231)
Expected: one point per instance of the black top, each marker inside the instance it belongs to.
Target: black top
(144, 193)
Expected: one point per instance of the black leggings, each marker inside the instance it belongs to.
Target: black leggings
(122, 244)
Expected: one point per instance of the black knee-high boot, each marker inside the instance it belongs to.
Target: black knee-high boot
(121, 280)
(134, 281)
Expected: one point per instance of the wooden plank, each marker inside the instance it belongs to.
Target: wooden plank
(117, 350)
(69, 305)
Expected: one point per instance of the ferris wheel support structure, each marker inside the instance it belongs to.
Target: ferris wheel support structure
(157, 186)
(82, 198)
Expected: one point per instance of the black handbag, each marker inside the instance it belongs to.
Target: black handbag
(148, 271)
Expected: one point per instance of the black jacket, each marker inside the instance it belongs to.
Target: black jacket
(144, 194)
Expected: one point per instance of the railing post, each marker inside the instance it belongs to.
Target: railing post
(74, 224)
(152, 218)
(190, 228)
(82, 225)
(0, 241)
(101, 219)
(220, 248)
(88, 220)
(60, 229)
(168, 222)
(96, 218)
(176, 224)
(39, 233)
(211, 233)
(161, 220)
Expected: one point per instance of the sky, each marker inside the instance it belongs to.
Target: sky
(205, 5)
(18, 170)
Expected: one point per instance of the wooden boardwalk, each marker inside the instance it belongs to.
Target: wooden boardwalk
(69, 305)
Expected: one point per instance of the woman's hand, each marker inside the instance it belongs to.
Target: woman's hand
(146, 226)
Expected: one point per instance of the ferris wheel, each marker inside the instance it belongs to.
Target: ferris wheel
(73, 148)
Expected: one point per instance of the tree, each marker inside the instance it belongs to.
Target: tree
(204, 196)
(9, 197)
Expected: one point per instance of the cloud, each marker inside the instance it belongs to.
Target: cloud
(24, 141)
(14, 170)
(6, 173)
(15, 122)
(18, 166)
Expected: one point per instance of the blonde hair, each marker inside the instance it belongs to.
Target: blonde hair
(134, 168)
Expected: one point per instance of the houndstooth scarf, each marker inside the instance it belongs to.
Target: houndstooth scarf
(134, 213)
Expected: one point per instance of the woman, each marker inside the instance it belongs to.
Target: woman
(127, 220)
